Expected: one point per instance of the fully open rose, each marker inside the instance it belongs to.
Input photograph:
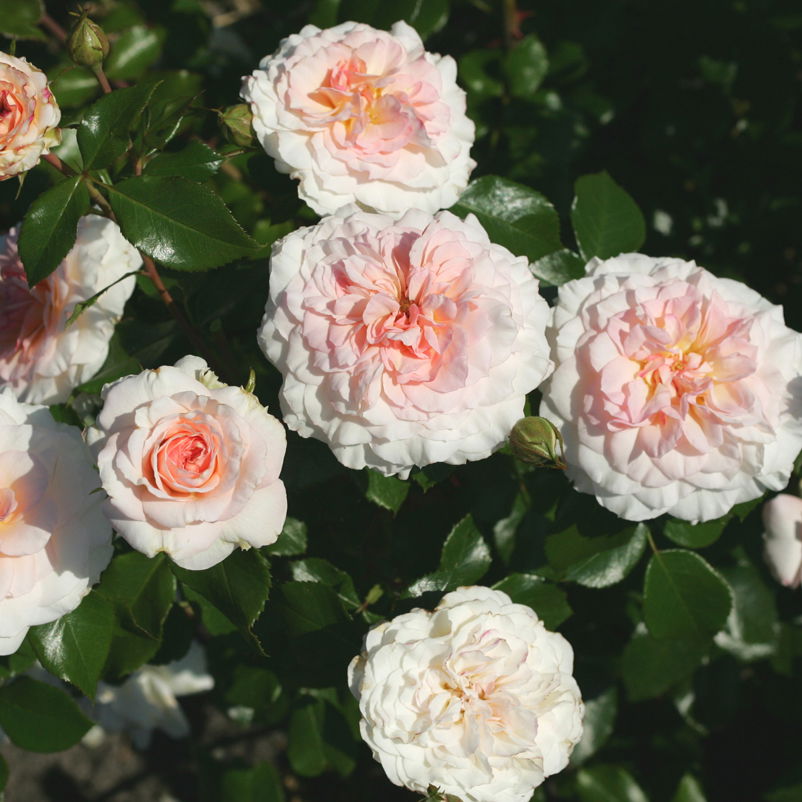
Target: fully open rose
(403, 343)
(675, 391)
(476, 699)
(54, 538)
(365, 116)
(42, 358)
(190, 465)
(28, 116)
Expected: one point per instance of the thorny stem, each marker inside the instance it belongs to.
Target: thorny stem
(46, 21)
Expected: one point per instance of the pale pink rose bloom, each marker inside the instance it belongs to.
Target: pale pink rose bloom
(363, 116)
(191, 466)
(676, 392)
(476, 698)
(403, 343)
(782, 538)
(28, 116)
(54, 538)
(41, 357)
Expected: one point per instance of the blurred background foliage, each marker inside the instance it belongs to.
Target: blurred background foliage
(692, 107)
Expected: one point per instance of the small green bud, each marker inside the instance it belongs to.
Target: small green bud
(236, 122)
(537, 441)
(87, 44)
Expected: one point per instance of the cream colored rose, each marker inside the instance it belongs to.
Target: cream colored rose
(28, 116)
(190, 464)
(364, 116)
(41, 357)
(54, 538)
(476, 698)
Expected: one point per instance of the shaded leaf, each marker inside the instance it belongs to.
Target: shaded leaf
(292, 540)
(545, 598)
(597, 725)
(526, 66)
(695, 536)
(385, 491)
(19, 18)
(426, 17)
(689, 790)
(605, 783)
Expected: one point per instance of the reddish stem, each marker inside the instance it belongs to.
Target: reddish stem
(46, 21)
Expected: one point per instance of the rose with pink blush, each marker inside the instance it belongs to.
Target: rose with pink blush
(675, 391)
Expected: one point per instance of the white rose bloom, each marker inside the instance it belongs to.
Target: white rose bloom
(476, 698)
(147, 700)
(364, 116)
(675, 391)
(41, 357)
(54, 538)
(782, 538)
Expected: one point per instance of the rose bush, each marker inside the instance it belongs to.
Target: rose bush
(363, 116)
(54, 539)
(476, 698)
(29, 116)
(190, 464)
(42, 356)
(675, 391)
(403, 343)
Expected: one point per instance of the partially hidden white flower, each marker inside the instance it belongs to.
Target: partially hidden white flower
(29, 116)
(42, 358)
(147, 700)
(675, 391)
(364, 116)
(54, 538)
(191, 466)
(476, 698)
(403, 342)
(782, 538)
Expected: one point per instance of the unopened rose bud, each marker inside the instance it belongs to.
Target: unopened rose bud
(537, 441)
(782, 538)
(236, 122)
(87, 44)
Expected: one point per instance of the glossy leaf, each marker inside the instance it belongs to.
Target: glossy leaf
(606, 220)
(178, 223)
(545, 598)
(608, 784)
(49, 227)
(316, 569)
(684, 597)
(197, 161)
(75, 647)
(132, 52)
(464, 560)
(292, 540)
(39, 717)
(526, 66)
(385, 491)
(558, 267)
(596, 562)
(309, 606)
(513, 215)
(695, 536)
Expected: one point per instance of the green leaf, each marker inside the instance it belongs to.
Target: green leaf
(19, 18)
(75, 647)
(426, 17)
(133, 52)
(82, 306)
(197, 161)
(238, 587)
(464, 560)
(49, 227)
(606, 220)
(605, 783)
(39, 717)
(3, 773)
(183, 225)
(650, 666)
(684, 597)
(597, 725)
(689, 790)
(13, 664)
(385, 491)
(259, 783)
(514, 216)
(103, 133)
(545, 598)
(316, 569)
(526, 66)
(73, 86)
(556, 268)
(292, 540)
(306, 747)
(309, 606)
(753, 629)
(596, 562)
(478, 73)
(695, 536)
